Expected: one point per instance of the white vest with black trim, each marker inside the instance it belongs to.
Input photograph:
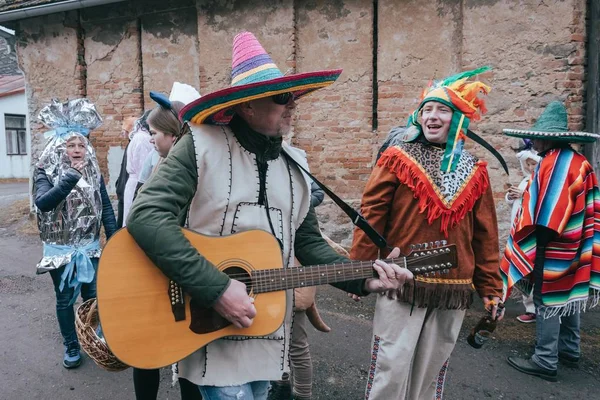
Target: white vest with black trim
(226, 202)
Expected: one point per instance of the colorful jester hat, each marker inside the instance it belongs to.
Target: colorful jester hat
(462, 97)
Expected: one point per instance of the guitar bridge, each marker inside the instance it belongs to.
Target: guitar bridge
(177, 301)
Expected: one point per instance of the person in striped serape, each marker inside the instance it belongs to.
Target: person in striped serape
(554, 245)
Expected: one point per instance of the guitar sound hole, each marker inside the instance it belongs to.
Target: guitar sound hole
(240, 274)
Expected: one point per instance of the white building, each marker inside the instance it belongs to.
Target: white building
(14, 128)
(15, 151)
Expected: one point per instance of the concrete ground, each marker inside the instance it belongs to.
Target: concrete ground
(31, 350)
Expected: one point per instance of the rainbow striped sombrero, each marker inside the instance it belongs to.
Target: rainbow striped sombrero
(254, 75)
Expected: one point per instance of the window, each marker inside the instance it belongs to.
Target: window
(16, 134)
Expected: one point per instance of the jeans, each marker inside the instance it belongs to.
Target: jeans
(248, 391)
(554, 335)
(64, 312)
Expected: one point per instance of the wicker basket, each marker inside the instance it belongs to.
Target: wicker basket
(86, 322)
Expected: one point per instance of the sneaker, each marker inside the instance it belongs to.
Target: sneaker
(526, 318)
(72, 358)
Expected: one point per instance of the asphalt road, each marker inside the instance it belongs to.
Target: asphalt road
(10, 192)
(31, 350)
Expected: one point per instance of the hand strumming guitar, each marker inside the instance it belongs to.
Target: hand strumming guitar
(236, 306)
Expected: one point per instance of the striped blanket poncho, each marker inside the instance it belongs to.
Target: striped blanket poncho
(563, 196)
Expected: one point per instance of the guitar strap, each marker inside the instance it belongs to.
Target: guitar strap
(357, 219)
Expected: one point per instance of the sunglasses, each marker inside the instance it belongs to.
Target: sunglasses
(282, 98)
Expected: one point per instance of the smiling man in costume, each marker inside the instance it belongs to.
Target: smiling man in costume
(426, 188)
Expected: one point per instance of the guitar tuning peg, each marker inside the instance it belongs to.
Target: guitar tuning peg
(412, 247)
(437, 243)
(436, 266)
(424, 245)
(430, 244)
(444, 242)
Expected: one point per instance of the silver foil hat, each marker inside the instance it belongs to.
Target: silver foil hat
(71, 118)
(78, 114)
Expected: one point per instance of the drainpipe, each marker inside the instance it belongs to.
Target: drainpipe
(43, 9)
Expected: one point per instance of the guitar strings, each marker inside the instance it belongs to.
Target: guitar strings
(329, 272)
(314, 269)
(313, 274)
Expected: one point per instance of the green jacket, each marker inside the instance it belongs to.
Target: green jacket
(160, 210)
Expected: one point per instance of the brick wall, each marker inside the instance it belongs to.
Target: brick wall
(114, 78)
(48, 74)
(169, 47)
(116, 54)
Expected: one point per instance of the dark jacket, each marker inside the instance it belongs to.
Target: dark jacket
(48, 196)
(316, 195)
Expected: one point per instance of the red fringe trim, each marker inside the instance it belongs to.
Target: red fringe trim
(411, 174)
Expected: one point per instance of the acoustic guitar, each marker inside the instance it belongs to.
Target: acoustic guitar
(147, 320)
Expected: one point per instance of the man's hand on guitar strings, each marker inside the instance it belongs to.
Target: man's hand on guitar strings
(391, 276)
(236, 306)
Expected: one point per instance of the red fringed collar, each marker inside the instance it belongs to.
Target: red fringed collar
(446, 195)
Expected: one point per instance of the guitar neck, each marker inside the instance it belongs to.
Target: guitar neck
(272, 280)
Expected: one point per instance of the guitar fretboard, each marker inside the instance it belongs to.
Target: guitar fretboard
(272, 280)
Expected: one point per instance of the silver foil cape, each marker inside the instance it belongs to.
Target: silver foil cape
(76, 221)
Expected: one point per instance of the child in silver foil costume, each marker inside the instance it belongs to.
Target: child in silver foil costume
(71, 203)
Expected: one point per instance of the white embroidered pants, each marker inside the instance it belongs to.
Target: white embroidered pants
(409, 350)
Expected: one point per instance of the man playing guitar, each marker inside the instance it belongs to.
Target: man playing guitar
(227, 175)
